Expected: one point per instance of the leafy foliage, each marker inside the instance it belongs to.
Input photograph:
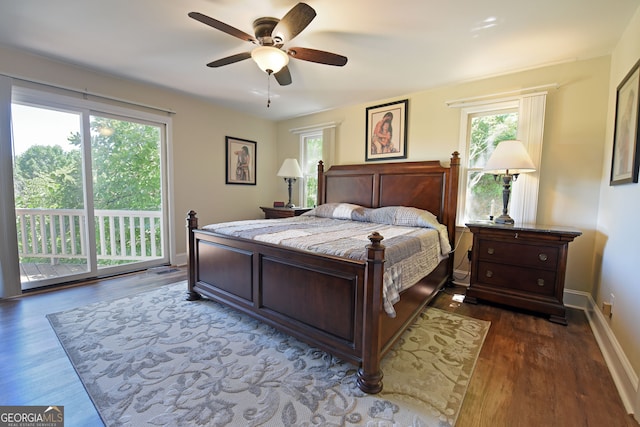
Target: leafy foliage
(46, 176)
(126, 169)
(126, 176)
(487, 131)
(313, 155)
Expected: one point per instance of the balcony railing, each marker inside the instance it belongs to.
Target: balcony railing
(58, 234)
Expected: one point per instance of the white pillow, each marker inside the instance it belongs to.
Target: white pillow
(403, 215)
(339, 211)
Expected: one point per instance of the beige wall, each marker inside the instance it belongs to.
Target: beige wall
(575, 122)
(198, 141)
(616, 255)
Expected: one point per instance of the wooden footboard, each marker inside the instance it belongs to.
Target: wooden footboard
(331, 303)
(319, 299)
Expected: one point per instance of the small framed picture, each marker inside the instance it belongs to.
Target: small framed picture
(626, 134)
(387, 131)
(241, 161)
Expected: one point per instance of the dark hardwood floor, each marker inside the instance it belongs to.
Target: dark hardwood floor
(34, 369)
(531, 372)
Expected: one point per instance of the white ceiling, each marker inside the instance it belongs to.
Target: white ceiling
(394, 48)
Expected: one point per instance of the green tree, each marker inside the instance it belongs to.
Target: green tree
(486, 132)
(126, 176)
(313, 153)
(48, 177)
(126, 170)
(126, 164)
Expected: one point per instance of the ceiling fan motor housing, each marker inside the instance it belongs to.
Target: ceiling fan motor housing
(263, 27)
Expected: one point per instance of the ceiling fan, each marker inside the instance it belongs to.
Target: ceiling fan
(271, 34)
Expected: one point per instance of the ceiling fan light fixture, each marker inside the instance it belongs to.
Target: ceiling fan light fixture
(270, 59)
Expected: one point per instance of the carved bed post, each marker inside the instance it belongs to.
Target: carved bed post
(369, 378)
(320, 199)
(192, 224)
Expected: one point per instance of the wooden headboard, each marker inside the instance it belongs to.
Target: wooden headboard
(425, 185)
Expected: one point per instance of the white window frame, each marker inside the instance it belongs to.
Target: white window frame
(327, 131)
(523, 204)
(303, 159)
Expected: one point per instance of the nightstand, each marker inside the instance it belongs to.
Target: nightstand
(521, 266)
(272, 213)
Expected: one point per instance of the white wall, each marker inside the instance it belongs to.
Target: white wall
(616, 254)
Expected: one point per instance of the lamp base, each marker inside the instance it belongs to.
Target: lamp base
(504, 219)
(290, 181)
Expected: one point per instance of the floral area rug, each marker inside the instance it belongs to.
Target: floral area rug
(155, 359)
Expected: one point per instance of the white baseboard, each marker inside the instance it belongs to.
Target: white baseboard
(621, 370)
(461, 277)
(181, 259)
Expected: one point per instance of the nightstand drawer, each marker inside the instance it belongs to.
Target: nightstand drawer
(517, 278)
(280, 213)
(537, 256)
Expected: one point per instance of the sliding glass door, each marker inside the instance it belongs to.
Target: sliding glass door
(89, 193)
(127, 191)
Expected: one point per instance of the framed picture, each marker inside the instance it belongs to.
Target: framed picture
(241, 161)
(626, 135)
(387, 131)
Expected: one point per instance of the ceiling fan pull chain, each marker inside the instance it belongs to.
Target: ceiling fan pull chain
(268, 90)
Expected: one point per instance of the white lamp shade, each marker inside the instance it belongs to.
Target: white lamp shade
(509, 157)
(270, 59)
(290, 169)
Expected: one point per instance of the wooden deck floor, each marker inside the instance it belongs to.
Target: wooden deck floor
(31, 272)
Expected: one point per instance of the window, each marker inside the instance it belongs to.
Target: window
(483, 126)
(317, 143)
(311, 154)
(486, 130)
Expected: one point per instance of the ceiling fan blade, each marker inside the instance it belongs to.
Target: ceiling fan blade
(218, 25)
(319, 56)
(293, 22)
(283, 77)
(230, 59)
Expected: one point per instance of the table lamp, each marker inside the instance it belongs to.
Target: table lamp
(508, 160)
(290, 171)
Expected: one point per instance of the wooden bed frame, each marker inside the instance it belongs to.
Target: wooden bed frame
(331, 303)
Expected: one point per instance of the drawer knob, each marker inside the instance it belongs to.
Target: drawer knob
(540, 282)
(542, 257)
(490, 251)
(489, 273)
